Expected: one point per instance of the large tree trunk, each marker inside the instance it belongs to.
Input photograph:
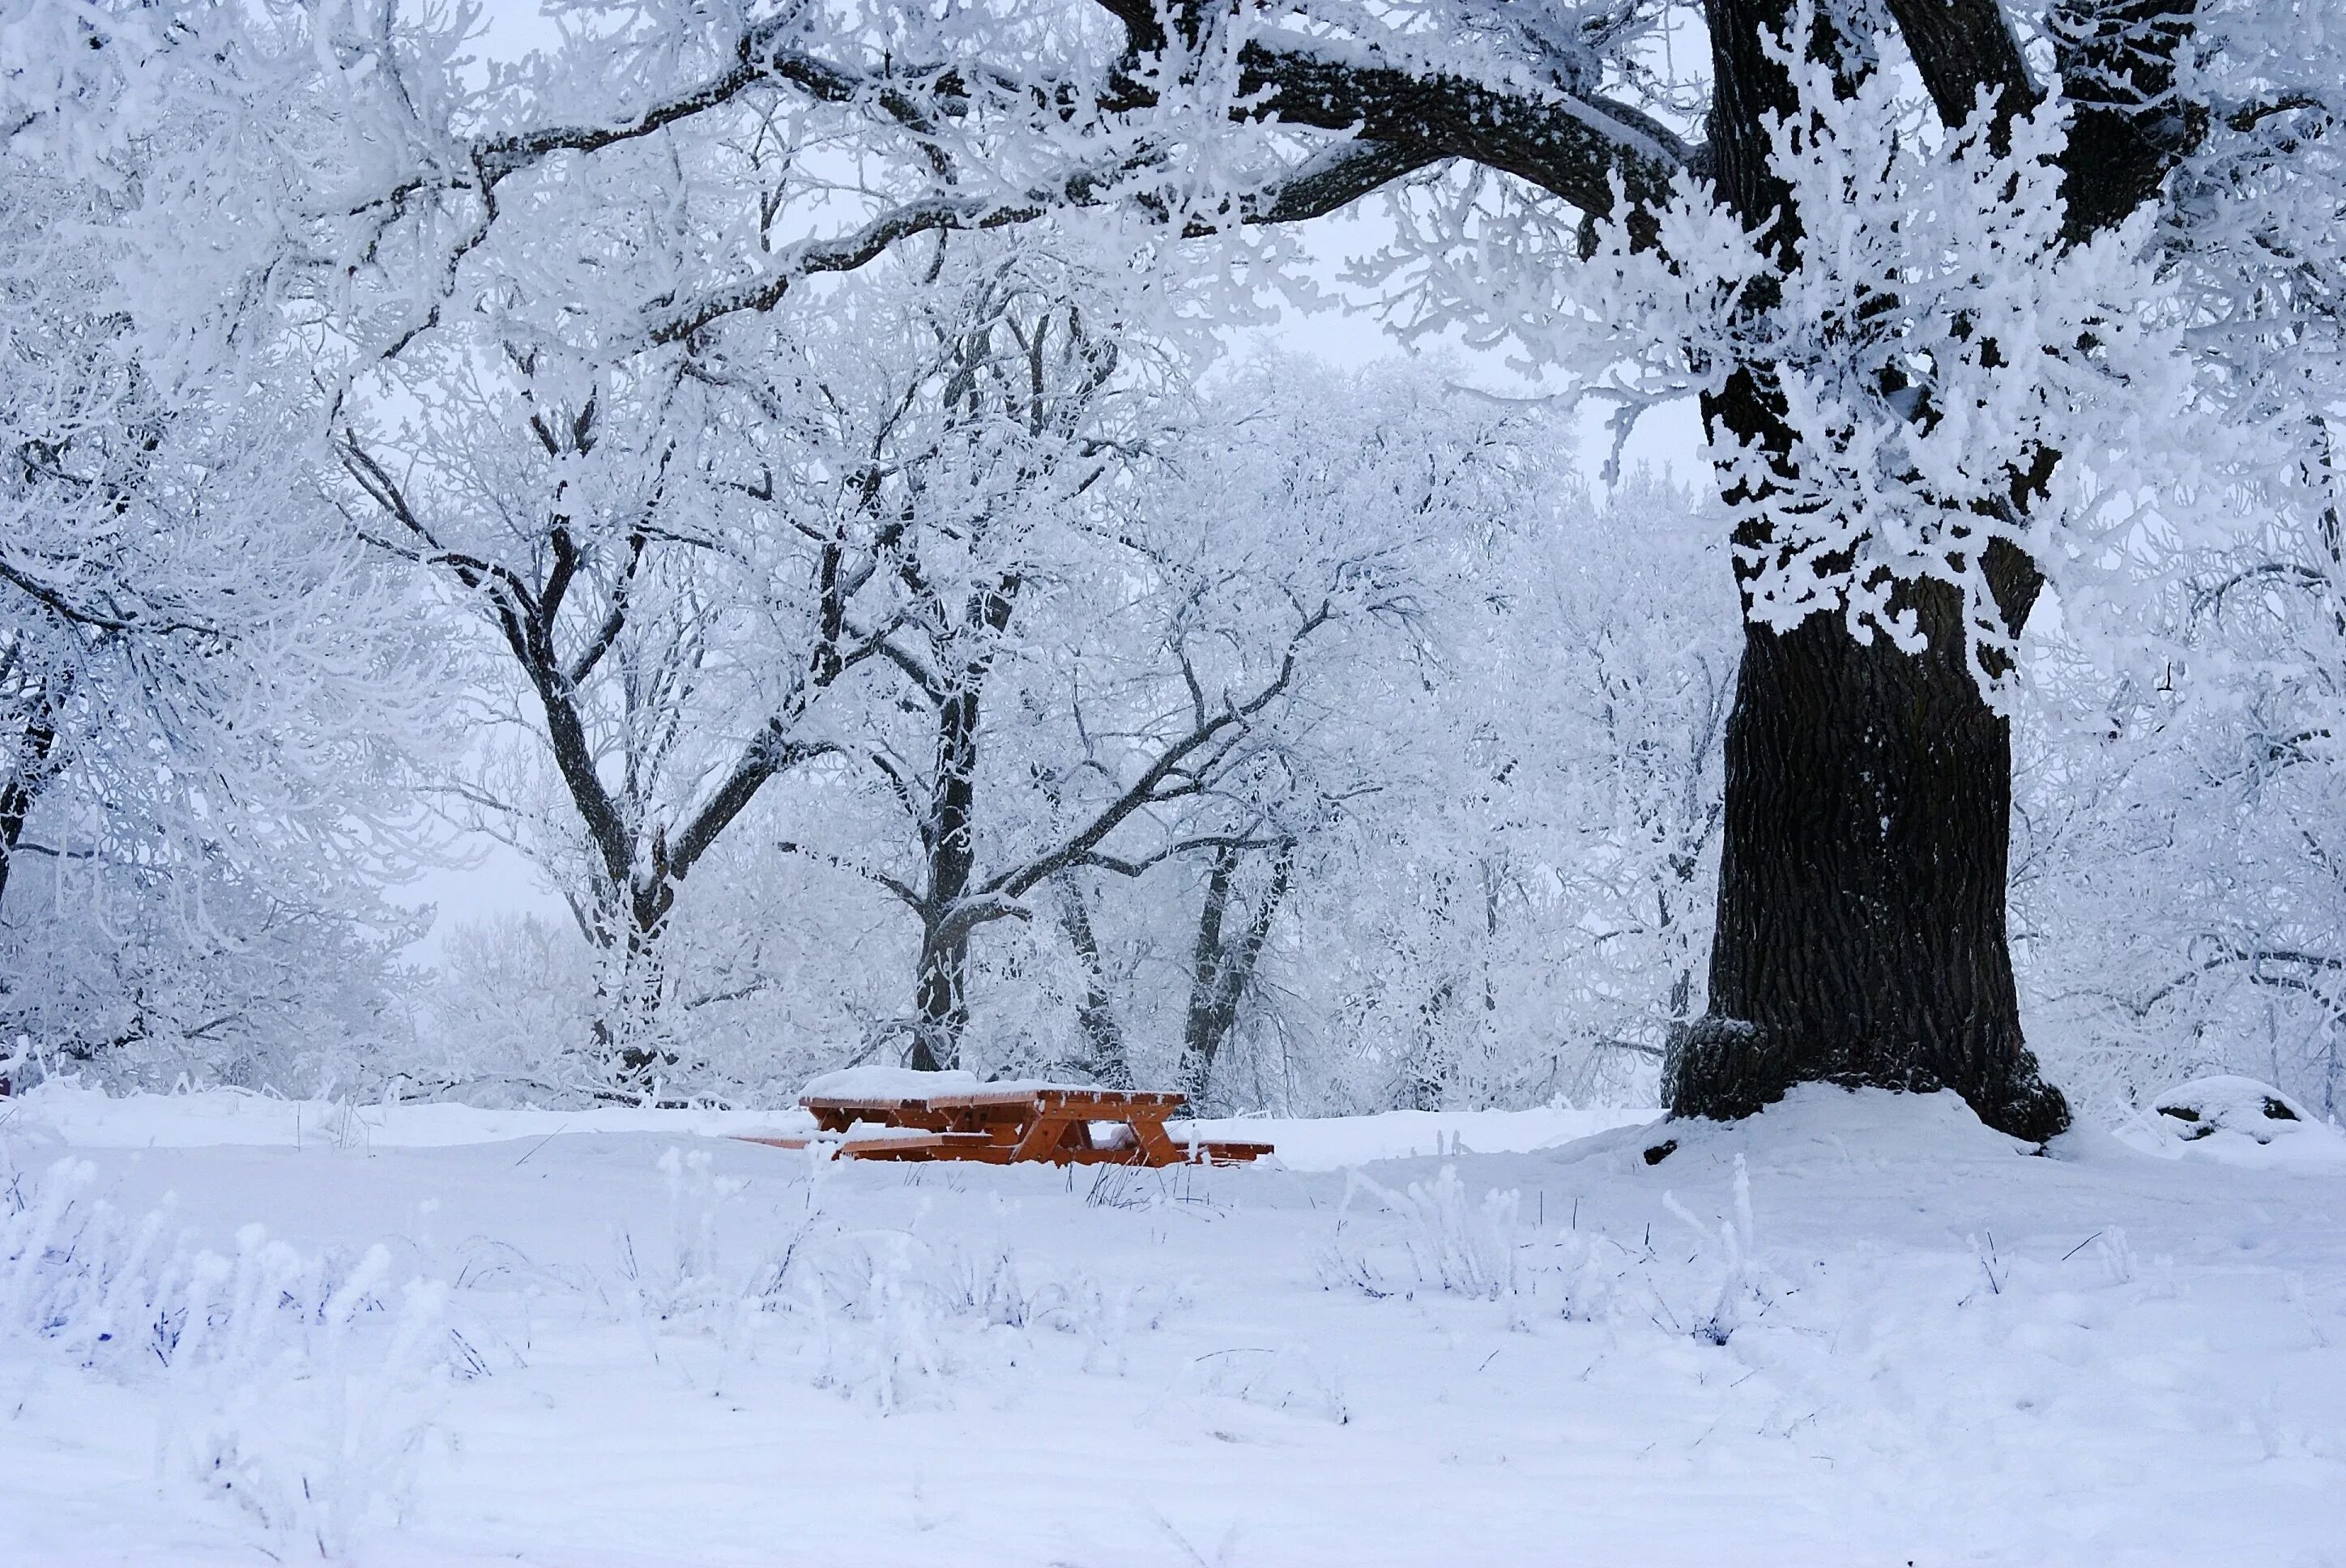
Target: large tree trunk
(36, 762)
(17, 801)
(1860, 931)
(940, 998)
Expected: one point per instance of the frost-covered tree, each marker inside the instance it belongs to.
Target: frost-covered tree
(2176, 868)
(203, 687)
(1518, 908)
(1371, 498)
(1103, 605)
(659, 630)
(1940, 276)
(996, 398)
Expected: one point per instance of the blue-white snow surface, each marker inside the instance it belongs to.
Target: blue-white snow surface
(1859, 1329)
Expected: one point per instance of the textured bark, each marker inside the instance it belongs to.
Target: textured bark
(37, 760)
(1860, 932)
(941, 985)
(1861, 935)
(941, 997)
(1223, 962)
(35, 757)
(1104, 1059)
(631, 1000)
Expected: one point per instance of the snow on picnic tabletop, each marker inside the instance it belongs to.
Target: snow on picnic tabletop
(1950, 1350)
(874, 1081)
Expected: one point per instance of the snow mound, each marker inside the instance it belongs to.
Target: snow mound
(2236, 1121)
(1814, 1124)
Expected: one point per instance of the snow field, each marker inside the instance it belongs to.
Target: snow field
(1859, 1329)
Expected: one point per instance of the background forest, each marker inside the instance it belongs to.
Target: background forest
(977, 654)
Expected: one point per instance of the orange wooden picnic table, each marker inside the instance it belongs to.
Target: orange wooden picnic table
(1065, 1125)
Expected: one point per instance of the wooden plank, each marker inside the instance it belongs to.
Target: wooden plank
(877, 1107)
(1227, 1152)
(1111, 1103)
(1124, 1156)
(838, 1116)
(929, 1147)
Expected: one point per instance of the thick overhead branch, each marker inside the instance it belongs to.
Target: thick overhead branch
(1573, 148)
(1960, 46)
(1335, 177)
(1402, 116)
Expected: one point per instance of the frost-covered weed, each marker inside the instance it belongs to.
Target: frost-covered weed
(1278, 1376)
(886, 1314)
(2116, 1255)
(1432, 1235)
(1447, 1241)
(1581, 1270)
(895, 1314)
(1993, 1270)
(296, 1385)
(1742, 1288)
(880, 1337)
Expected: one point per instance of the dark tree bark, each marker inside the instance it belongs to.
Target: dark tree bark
(1427, 1074)
(1860, 932)
(1222, 961)
(1105, 1060)
(1860, 927)
(35, 759)
(36, 763)
(941, 986)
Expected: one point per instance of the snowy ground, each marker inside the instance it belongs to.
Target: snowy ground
(623, 1339)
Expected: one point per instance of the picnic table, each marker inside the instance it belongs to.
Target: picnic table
(1063, 1124)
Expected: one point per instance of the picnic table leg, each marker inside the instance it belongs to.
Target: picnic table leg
(1046, 1135)
(1156, 1145)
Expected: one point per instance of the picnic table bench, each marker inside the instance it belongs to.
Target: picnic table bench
(1065, 1125)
